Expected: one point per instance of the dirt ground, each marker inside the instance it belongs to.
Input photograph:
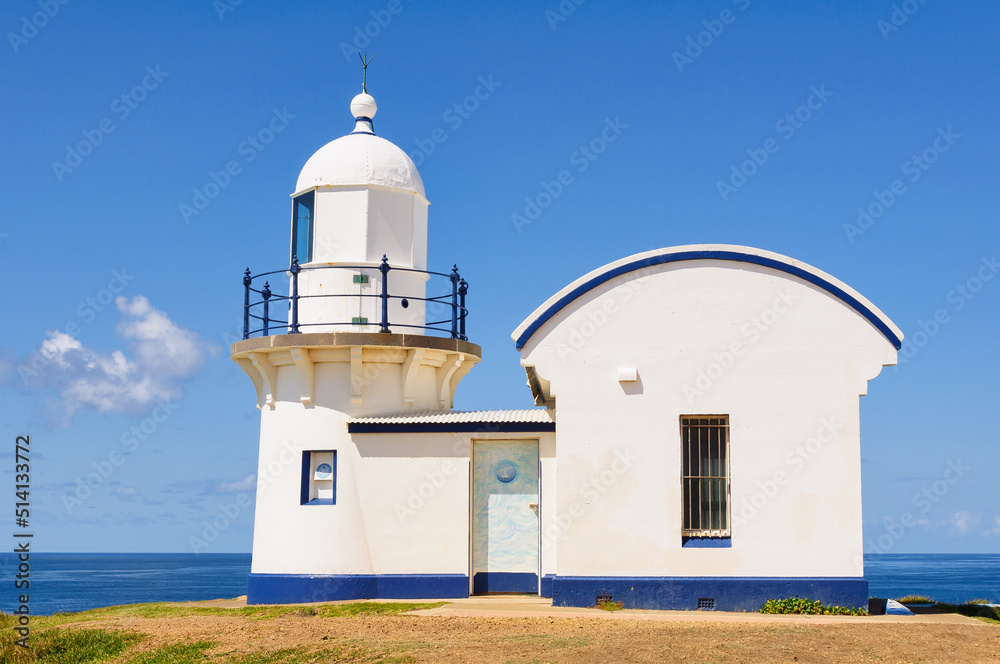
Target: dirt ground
(488, 639)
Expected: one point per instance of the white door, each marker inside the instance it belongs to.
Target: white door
(505, 516)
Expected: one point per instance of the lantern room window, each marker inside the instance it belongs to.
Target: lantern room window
(303, 219)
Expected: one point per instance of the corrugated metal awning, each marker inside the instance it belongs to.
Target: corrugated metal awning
(529, 420)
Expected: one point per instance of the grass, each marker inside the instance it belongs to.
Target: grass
(178, 653)
(163, 610)
(990, 614)
(976, 608)
(98, 646)
(610, 606)
(373, 608)
(64, 646)
(301, 655)
(52, 643)
(915, 599)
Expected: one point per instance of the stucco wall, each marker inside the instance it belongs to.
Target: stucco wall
(402, 499)
(783, 358)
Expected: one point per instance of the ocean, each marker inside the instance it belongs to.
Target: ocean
(79, 581)
(65, 582)
(945, 577)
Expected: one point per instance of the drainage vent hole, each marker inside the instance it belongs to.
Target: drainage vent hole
(706, 604)
(602, 599)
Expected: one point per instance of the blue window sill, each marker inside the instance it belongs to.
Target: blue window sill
(321, 501)
(706, 542)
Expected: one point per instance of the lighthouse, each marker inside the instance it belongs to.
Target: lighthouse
(354, 326)
(695, 442)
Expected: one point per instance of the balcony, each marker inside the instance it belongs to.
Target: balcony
(378, 306)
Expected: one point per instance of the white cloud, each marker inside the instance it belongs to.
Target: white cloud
(132, 494)
(160, 345)
(994, 529)
(162, 354)
(200, 489)
(248, 483)
(961, 522)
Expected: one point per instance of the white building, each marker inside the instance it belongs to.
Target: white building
(697, 445)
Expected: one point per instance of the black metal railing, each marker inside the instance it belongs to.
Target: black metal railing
(451, 300)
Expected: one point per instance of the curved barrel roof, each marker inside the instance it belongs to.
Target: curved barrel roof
(722, 252)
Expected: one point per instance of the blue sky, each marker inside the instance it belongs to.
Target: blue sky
(117, 114)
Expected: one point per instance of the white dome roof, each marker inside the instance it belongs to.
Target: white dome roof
(361, 158)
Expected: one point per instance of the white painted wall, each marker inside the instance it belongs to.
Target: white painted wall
(356, 226)
(327, 314)
(402, 499)
(790, 360)
(402, 508)
(335, 240)
(374, 527)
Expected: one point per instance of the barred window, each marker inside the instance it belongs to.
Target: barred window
(705, 451)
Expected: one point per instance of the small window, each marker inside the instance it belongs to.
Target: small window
(319, 478)
(705, 483)
(302, 226)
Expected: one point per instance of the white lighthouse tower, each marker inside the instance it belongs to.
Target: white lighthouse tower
(355, 334)
(357, 199)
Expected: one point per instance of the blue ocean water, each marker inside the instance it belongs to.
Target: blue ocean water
(80, 581)
(945, 577)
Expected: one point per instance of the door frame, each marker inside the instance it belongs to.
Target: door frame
(472, 501)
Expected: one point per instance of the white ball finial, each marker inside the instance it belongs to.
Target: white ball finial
(363, 106)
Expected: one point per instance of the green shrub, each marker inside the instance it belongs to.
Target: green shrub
(973, 610)
(610, 606)
(915, 599)
(809, 607)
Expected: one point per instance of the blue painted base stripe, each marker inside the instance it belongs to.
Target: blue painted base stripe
(545, 589)
(297, 588)
(729, 593)
(505, 582)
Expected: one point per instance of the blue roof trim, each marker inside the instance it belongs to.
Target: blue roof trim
(737, 256)
(450, 427)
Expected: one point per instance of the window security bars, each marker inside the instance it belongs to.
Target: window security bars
(705, 481)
